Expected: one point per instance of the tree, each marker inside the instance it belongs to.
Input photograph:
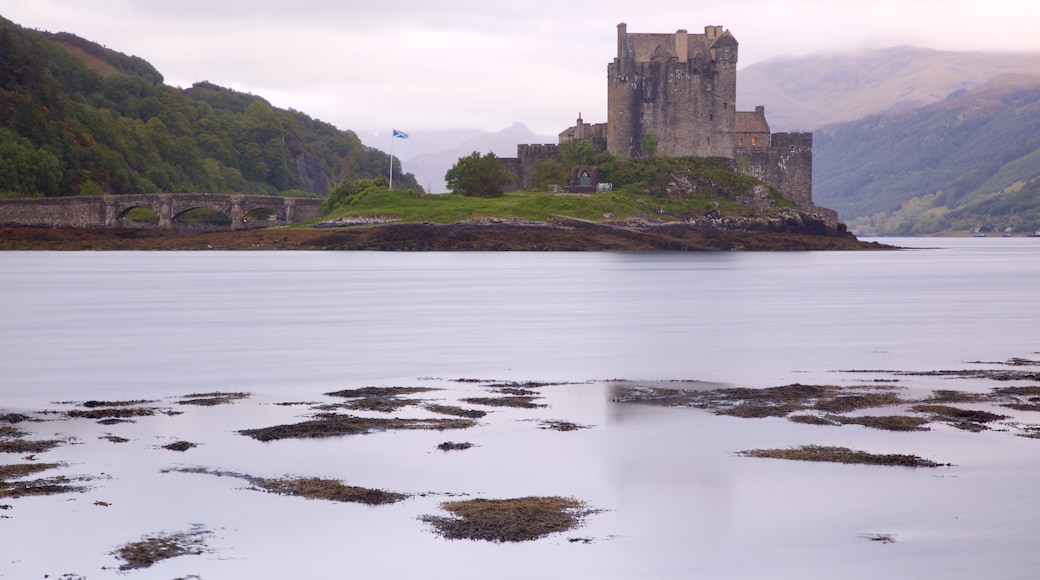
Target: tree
(577, 153)
(478, 176)
(548, 172)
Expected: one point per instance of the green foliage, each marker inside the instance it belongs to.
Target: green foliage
(141, 215)
(204, 216)
(91, 188)
(710, 176)
(73, 112)
(478, 176)
(633, 200)
(548, 172)
(577, 153)
(26, 169)
(343, 196)
(649, 145)
(883, 174)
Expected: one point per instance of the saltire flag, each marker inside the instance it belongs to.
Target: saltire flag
(400, 134)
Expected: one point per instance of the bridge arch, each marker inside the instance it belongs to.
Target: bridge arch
(124, 210)
(109, 211)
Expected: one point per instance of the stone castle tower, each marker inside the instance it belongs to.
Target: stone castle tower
(678, 88)
(680, 91)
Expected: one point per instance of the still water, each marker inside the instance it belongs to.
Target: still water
(676, 501)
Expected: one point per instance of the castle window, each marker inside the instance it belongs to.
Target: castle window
(754, 141)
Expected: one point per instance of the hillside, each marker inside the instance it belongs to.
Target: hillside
(970, 160)
(806, 93)
(80, 119)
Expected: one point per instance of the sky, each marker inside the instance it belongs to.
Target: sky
(422, 65)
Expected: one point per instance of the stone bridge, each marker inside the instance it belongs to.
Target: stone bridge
(108, 211)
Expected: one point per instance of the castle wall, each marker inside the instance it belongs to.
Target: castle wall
(786, 165)
(513, 165)
(527, 156)
(680, 88)
(596, 132)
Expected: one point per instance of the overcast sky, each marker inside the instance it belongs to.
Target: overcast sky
(415, 65)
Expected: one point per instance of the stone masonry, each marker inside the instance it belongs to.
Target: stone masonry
(680, 91)
(108, 211)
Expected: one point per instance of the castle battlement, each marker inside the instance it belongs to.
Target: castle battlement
(679, 91)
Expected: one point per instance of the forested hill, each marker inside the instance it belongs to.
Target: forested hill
(970, 160)
(79, 119)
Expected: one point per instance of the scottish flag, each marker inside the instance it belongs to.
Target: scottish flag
(400, 134)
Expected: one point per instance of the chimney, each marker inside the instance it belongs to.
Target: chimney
(622, 31)
(682, 45)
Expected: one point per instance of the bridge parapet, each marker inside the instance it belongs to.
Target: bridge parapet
(108, 211)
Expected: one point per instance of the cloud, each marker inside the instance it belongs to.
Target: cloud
(454, 63)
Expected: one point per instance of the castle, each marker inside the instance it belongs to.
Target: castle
(674, 95)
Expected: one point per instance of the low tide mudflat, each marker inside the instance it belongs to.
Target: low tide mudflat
(604, 479)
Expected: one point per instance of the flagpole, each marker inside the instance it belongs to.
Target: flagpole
(391, 159)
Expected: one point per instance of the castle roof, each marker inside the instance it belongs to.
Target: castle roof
(751, 122)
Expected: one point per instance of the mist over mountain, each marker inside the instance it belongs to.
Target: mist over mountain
(806, 93)
(430, 154)
(911, 140)
(971, 160)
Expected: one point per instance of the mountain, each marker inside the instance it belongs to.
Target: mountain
(911, 140)
(429, 165)
(970, 160)
(418, 142)
(79, 118)
(806, 93)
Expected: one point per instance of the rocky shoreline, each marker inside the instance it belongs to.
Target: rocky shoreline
(794, 231)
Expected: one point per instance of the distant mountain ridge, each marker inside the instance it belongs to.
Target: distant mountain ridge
(970, 160)
(810, 92)
(430, 154)
(911, 140)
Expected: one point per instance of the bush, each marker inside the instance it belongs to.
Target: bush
(343, 195)
(478, 176)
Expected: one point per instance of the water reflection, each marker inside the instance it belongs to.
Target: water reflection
(290, 326)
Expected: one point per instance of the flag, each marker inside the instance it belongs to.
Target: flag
(400, 134)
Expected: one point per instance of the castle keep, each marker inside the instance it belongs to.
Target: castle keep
(676, 94)
(680, 88)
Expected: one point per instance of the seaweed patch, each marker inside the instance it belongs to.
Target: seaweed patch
(334, 425)
(180, 446)
(517, 401)
(211, 399)
(841, 455)
(453, 446)
(13, 484)
(456, 411)
(154, 548)
(508, 520)
(307, 487)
